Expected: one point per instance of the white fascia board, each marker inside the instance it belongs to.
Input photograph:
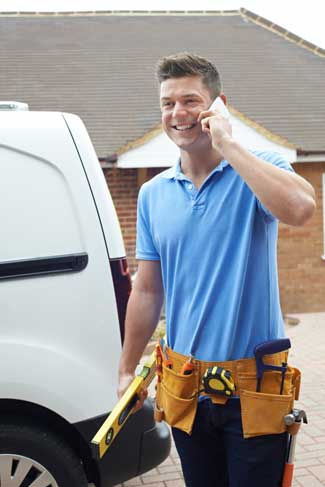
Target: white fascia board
(311, 158)
(157, 152)
(162, 152)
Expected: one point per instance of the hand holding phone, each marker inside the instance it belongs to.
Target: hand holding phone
(220, 107)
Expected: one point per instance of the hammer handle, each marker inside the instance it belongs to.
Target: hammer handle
(287, 475)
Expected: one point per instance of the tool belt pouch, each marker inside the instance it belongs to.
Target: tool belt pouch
(263, 412)
(176, 399)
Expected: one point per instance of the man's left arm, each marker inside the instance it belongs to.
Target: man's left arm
(288, 196)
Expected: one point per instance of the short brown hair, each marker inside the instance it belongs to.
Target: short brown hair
(186, 64)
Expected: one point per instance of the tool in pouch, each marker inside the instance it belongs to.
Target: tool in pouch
(268, 348)
(188, 366)
(161, 350)
(293, 422)
(216, 380)
(121, 412)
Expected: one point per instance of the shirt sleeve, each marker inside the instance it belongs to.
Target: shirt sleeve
(277, 160)
(145, 247)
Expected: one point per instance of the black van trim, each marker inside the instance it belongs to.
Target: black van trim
(43, 266)
(142, 444)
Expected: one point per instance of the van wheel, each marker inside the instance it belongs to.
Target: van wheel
(32, 456)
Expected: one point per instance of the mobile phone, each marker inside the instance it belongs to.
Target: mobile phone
(219, 105)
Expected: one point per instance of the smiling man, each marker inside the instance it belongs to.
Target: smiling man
(206, 242)
(181, 123)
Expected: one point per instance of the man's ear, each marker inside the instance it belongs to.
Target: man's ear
(223, 98)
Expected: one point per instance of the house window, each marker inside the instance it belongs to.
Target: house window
(323, 256)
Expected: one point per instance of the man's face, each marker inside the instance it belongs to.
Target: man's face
(181, 101)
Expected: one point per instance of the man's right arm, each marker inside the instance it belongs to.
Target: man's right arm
(142, 316)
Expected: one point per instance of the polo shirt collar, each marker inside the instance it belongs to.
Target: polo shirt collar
(175, 172)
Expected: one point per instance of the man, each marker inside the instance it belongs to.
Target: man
(206, 240)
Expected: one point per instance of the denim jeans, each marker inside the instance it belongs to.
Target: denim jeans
(217, 455)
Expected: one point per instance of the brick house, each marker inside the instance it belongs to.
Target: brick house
(101, 67)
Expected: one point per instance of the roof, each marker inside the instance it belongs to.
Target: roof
(101, 67)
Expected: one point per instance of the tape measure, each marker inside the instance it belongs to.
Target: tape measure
(217, 380)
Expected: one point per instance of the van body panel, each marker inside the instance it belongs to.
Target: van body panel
(42, 209)
(98, 186)
(45, 191)
(61, 380)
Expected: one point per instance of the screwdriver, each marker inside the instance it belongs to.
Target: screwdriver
(167, 362)
(188, 366)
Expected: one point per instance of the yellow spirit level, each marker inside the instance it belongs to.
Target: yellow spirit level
(118, 416)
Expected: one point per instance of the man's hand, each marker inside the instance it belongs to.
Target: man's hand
(215, 125)
(124, 381)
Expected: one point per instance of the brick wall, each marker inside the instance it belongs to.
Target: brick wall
(123, 186)
(301, 270)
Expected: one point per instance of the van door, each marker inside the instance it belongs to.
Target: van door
(59, 318)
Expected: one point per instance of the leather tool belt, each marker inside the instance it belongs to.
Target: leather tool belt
(262, 412)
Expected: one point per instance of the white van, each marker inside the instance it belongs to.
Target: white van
(64, 285)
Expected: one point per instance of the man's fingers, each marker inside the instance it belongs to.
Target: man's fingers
(124, 382)
(205, 124)
(138, 405)
(205, 114)
(142, 394)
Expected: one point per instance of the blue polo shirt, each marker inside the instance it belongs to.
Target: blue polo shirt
(217, 248)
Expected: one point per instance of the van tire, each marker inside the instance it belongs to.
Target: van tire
(43, 449)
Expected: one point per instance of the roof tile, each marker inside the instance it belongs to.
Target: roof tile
(102, 68)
